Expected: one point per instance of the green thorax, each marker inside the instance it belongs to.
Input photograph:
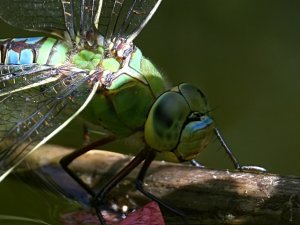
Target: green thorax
(88, 60)
(122, 107)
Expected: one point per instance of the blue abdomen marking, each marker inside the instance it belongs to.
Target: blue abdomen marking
(12, 57)
(41, 50)
(18, 51)
(26, 56)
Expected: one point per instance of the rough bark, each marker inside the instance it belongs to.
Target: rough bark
(205, 196)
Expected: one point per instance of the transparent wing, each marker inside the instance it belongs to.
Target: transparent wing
(89, 12)
(36, 102)
(124, 18)
(80, 14)
(38, 15)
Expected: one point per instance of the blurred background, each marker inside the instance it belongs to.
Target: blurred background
(245, 55)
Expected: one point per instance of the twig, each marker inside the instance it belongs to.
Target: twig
(206, 196)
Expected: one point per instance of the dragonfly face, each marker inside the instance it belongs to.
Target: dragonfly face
(178, 122)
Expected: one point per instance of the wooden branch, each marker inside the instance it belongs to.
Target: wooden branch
(205, 196)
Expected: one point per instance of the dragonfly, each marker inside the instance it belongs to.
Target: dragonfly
(87, 66)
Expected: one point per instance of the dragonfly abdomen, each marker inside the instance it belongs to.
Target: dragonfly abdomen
(41, 50)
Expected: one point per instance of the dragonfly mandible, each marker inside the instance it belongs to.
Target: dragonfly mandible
(91, 68)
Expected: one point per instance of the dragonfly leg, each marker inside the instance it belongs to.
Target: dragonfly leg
(233, 158)
(99, 198)
(66, 160)
(140, 187)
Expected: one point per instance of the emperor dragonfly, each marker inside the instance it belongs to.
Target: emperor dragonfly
(93, 69)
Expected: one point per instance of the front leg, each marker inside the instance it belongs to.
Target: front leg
(233, 158)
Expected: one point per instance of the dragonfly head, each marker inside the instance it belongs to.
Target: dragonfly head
(178, 122)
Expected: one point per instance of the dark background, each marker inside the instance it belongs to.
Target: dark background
(245, 56)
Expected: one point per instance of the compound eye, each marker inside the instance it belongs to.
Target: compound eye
(195, 98)
(165, 121)
(178, 122)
